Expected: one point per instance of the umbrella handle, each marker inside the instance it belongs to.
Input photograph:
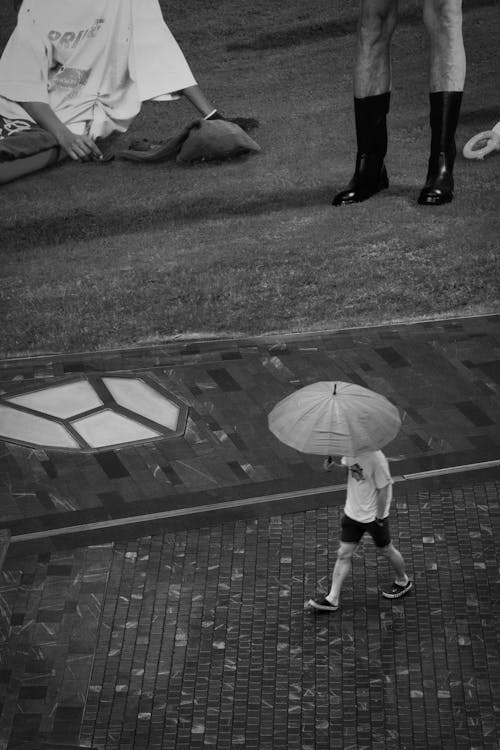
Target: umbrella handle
(328, 463)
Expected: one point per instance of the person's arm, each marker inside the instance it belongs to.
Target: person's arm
(382, 500)
(24, 66)
(78, 147)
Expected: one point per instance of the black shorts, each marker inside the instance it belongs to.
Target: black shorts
(352, 531)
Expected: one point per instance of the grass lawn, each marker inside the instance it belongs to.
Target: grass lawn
(121, 254)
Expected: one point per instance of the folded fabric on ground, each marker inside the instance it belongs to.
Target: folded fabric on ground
(94, 62)
(202, 140)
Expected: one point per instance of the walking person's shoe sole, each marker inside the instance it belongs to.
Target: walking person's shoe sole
(397, 591)
(322, 605)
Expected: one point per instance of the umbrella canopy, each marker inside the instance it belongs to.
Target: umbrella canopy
(335, 419)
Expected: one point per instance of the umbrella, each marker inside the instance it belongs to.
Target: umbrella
(335, 418)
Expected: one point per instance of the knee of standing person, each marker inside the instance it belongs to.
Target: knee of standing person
(377, 22)
(442, 16)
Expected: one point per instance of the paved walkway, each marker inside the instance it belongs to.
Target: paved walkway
(193, 633)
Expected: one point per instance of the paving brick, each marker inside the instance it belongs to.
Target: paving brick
(199, 637)
(452, 408)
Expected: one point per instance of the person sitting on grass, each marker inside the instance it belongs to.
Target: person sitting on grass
(75, 71)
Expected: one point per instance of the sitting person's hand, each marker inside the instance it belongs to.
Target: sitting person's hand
(78, 147)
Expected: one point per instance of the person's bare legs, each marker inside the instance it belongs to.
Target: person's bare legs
(342, 568)
(198, 99)
(13, 170)
(372, 84)
(443, 21)
(372, 67)
(206, 108)
(396, 560)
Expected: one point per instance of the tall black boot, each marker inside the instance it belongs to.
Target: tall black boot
(370, 174)
(445, 109)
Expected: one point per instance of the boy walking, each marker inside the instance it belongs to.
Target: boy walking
(368, 501)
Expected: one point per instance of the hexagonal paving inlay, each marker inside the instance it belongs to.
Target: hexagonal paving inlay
(92, 413)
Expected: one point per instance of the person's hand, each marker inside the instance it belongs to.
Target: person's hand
(79, 147)
(328, 463)
(380, 521)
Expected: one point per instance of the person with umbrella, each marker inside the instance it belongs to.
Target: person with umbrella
(344, 419)
(368, 500)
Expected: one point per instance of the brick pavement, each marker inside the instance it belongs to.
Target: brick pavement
(195, 635)
(444, 376)
(200, 638)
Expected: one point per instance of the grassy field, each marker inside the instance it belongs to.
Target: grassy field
(117, 255)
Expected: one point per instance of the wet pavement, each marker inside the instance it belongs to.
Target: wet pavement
(153, 595)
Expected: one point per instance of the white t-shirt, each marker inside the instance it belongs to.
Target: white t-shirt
(93, 61)
(368, 473)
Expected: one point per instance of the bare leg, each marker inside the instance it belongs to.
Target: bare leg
(198, 99)
(443, 21)
(396, 559)
(12, 170)
(342, 568)
(372, 69)
(372, 84)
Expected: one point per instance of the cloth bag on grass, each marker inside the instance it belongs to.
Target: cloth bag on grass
(203, 140)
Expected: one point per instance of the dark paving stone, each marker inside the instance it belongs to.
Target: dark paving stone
(9, 467)
(420, 442)
(33, 692)
(224, 379)
(491, 370)
(49, 468)
(474, 414)
(71, 367)
(25, 726)
(59, 570)
(171, 475)
(237, 441)
(49, 615)
(43, 498)
(415, 416)
(392, 356)
(353, 377)
(111, 465)
(237, 470)
(482, 442)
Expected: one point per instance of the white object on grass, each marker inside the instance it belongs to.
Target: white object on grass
(490, 140)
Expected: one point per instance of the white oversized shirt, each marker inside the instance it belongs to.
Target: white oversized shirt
(367, 473)
(93, 61)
